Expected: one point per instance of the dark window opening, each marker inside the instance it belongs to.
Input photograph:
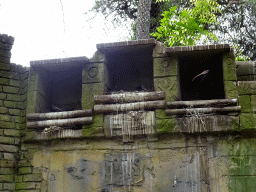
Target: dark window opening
(60, 91)
(130, 72)
(208, 85)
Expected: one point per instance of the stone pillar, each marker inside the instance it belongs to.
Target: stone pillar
(95, 82)
(165, 79)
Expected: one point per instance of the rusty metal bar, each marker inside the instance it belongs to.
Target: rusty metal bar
(59, 115)
(129, 97)
(201, 103)
(202, 110)
(60, 122)
(115, 108)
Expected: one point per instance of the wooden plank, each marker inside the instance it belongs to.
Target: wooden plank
(201, 103)
(60, 122)
(129, 97)
(202, 110)
(115, 108)
(59, 115)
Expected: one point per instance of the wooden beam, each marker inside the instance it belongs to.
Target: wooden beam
(59, 115)
(115, 108)
(195, 111)
(60, 122)
(201, 103)
(129, 97)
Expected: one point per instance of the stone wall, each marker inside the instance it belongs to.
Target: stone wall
(13, 89)
(177, 157)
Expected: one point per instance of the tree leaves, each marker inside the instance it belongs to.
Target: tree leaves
(186, 27)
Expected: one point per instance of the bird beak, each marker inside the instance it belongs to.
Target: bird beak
(204, 72)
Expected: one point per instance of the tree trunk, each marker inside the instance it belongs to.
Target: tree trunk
(143, 19)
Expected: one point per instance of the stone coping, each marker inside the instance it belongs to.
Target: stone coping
(182, 49)
(126, 43)
(60, 61)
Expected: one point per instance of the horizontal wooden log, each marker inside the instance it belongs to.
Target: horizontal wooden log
(59, 115)
(195, 111)
(115, 108)
(60, 122)
(201, 103)
(129, 97)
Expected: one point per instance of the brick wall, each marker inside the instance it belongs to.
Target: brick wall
(13, 88)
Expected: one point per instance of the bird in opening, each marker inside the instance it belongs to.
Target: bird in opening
(204, 73)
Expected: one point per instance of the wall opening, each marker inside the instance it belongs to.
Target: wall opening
(130, 71)
(205, 86)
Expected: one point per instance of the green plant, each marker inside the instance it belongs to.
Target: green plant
(187, 26)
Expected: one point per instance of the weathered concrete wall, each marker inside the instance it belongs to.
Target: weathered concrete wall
(13, 89)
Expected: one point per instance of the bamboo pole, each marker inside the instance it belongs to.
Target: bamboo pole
(60, 122)
(129, 97)
(202, 110)
(59, 115)
(115, 108)
(201, 103)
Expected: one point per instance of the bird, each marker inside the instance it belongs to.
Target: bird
(204, 85)
(204, 73)
(141, 88)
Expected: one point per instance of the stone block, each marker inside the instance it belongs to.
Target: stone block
(14, 111)
(6, 171)
(9, 186)
(98, 57)
(8, 156)
(169, 86)
(24, 163)
(159, 50)
(6, 178)
(5, 74)
(18, 178)
(6, 60)
(166, 66)
(26, 185)
(230, 89)
(9, 148)
(4, 66)
(6, 140)
(5, 53)
(95, 73)
(3, 110)
(8, 89)
(23, 105)
(246, 87)
(31, 101)
(247, 120)
(4, 81)
(229, 66)
(10, 104)
(245, 103)
(7, 163)
(166, 125)
(12, 97)
(5, 118)
(25, 170)
(33, 80)
(88, 92)
(8, 125)
(33, 177)
(12, 132)
(2, 96)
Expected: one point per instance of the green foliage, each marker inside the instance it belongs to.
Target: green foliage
(187, 26)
